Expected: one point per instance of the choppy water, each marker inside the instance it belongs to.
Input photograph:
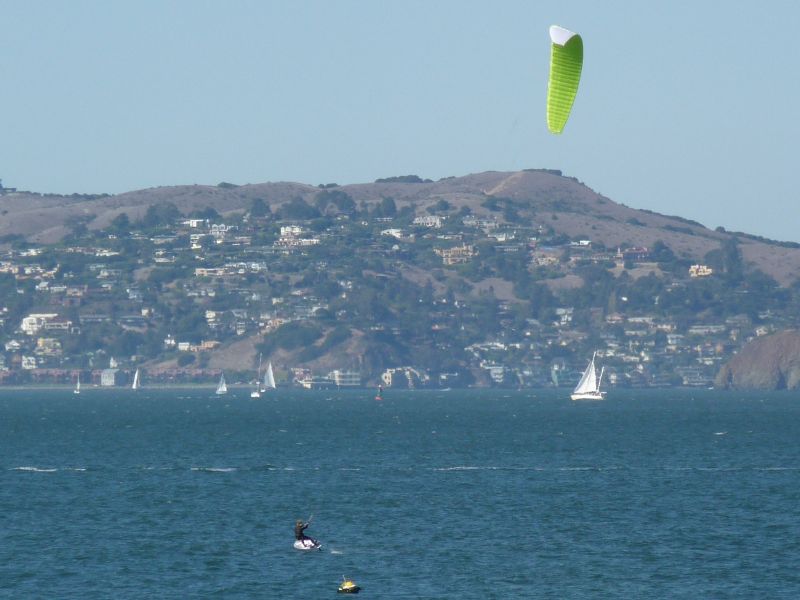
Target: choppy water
(424, 495)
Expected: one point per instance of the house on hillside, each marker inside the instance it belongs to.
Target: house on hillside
(6, 190)
(633, 254)
(34, 322)
(456, 255)
(110, 377)
(700, 271)
(432, 221)
(345, 378)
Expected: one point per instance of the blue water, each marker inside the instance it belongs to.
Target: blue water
(424, 495)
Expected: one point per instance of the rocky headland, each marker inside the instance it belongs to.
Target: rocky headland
(771, 362)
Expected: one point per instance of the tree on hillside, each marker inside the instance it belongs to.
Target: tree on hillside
(340, 200)
(259, 208)
(542, 301)
(160, 215)
(403, 179)
(732, 260)
(440, 206)
(661, 253)
(120, 225)
(298, 209)
(208, 213)
(727, 260)
(385, 208)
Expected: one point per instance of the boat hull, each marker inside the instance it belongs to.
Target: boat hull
(589, 396)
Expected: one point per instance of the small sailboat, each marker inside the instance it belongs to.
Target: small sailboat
(222, 387)
(588, 387)
(77, 389)
(269, 379)
(379, 395)
(256, 393)
(136, 383)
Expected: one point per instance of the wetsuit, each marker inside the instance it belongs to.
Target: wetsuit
(299, 528)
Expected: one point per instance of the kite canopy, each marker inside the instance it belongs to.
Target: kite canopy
(566, 61)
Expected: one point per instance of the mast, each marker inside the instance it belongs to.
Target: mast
(258, 373)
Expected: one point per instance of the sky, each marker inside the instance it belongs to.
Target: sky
(688, 108)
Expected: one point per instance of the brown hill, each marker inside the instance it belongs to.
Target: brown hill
(542, 196)
(768, 363)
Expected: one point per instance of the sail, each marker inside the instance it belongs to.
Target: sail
(566, 62)
(222, 387)
(135, 385)
(269, 378)
(588, 382)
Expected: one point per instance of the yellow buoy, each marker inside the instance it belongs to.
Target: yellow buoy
(348, 586)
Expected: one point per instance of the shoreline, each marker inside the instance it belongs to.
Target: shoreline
(168, 386)
(87, 387)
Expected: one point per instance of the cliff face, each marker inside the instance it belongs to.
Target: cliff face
(767, 363)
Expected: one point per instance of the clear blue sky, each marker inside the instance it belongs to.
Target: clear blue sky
(687, 108)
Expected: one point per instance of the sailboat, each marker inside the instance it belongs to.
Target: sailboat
(269, 379)
(136, 384)
(588, 387)
(77, 389)
(222, 387)
(256, 393)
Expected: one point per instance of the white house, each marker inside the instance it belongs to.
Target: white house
(429, 221)
(35, 321)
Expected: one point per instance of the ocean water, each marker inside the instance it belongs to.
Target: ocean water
(459, 494)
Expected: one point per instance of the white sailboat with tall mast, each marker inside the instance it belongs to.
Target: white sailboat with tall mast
(269, 379)
(136, 383)
(588, 387)
(77, 389)
(256, 393)
(222, 387)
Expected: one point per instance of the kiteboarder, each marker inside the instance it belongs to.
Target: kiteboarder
(299, 529)
(301, 540)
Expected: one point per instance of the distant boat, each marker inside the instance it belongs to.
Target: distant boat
(136, 384)
(379, 395)
(269, 379)
(222, 387)
(256, 393)
(77, 389)
(588, 387)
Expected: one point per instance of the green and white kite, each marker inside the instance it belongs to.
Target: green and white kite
(566, 61)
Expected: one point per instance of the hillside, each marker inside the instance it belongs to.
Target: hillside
(508, 279)
(563, 204)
